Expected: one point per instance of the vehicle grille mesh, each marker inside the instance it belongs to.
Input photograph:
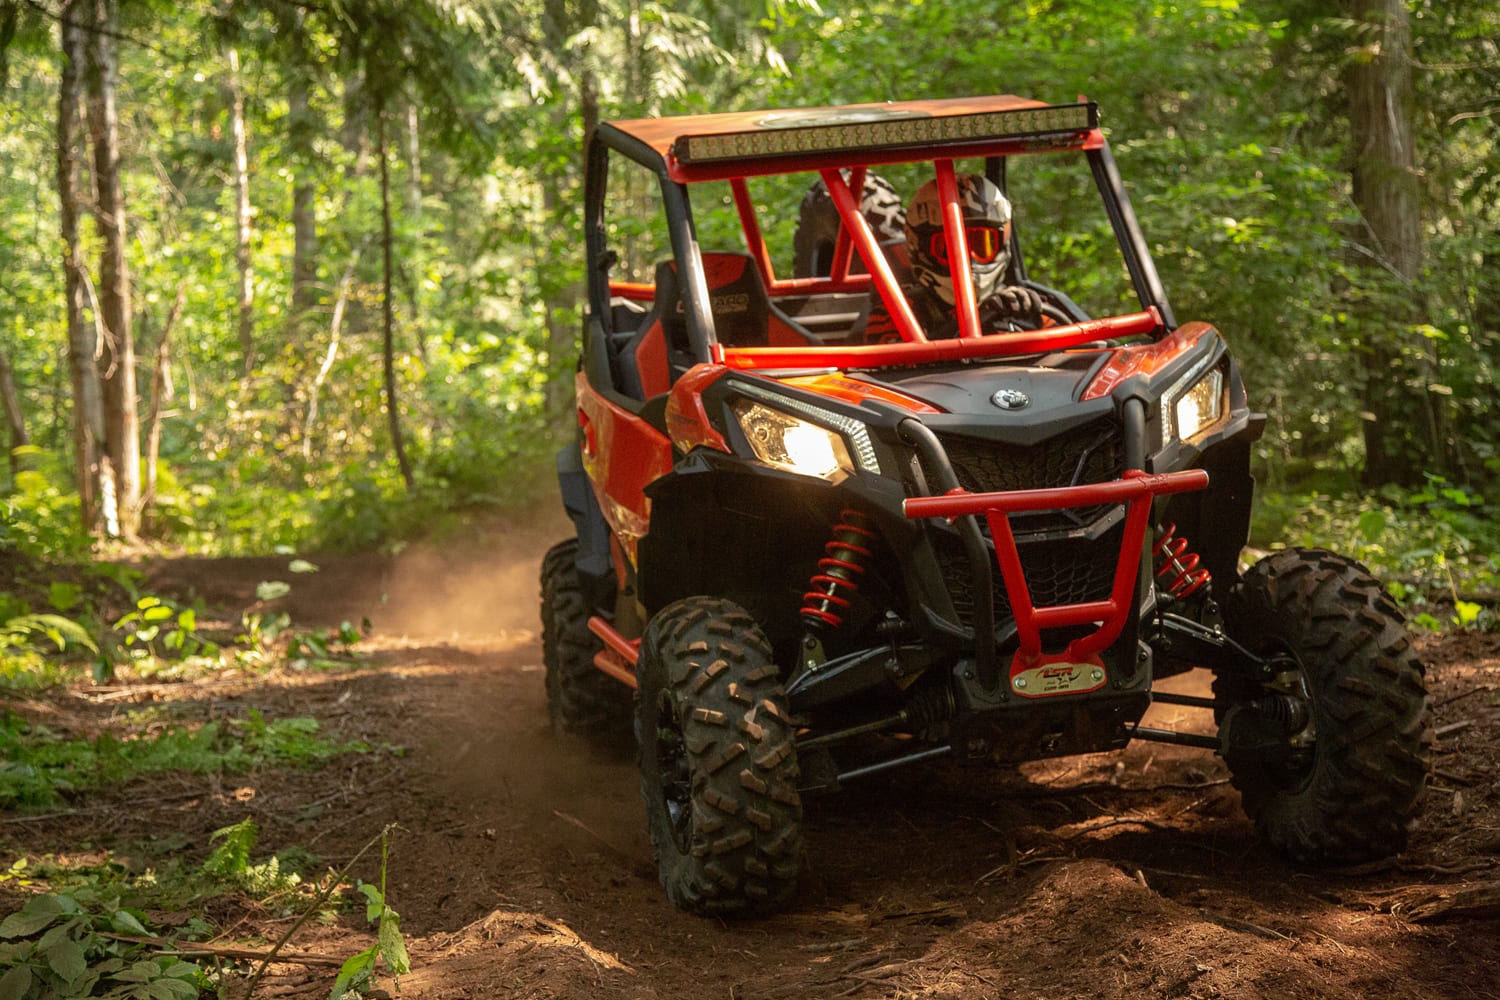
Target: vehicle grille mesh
(1058, 570)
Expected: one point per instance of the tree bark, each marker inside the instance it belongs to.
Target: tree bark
(302, 132)
(1401, 428)
(161, 392)
(388, 311)
(117, 362)
(15, 417)
(413, 162)
(88, 412)
(245, 290)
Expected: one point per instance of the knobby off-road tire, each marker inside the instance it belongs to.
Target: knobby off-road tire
(718, 768)
(1356, 795)
(580, 698)
(818, 224)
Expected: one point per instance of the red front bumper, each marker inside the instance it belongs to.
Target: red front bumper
(1078, 668)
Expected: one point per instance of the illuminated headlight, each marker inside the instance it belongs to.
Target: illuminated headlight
(791, 443)
(1199, 408)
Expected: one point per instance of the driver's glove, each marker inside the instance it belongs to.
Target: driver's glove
(1013, 302)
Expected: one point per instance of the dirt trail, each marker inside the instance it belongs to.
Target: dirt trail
(522, 867)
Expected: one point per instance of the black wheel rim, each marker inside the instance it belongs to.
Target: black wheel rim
(674, 770)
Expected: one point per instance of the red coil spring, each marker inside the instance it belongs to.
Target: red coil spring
(839, 570)
(1178, 566)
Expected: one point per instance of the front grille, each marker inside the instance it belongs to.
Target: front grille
(1058, 570)
(1093, 453)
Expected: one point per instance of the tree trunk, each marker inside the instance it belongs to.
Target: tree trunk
(413, 163)
(388, 310)
(161, 392)
(245, 292)
(302, 133)
(561, 308)
(88, 413)
(1401, 430)
(117, 361)
(15, 418)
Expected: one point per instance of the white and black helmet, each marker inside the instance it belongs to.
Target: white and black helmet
(986, 217)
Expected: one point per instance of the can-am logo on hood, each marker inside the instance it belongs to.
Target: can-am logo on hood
(1010, 399)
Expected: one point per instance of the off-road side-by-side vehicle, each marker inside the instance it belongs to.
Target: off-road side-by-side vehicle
(803, 558)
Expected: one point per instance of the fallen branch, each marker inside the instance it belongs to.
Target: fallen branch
(1460, 697)
(166, 946)
(1422, 905)
(1236, 924)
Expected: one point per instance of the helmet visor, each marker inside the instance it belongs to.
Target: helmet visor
(985, 243)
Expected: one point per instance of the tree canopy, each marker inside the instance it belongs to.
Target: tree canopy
(346, 253)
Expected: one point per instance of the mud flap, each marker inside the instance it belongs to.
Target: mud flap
(595, 568)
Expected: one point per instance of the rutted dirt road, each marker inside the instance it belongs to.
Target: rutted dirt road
(522, 866)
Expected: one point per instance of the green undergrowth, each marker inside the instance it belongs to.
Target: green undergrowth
(1437, 549)
(111, 929)
(40, 767)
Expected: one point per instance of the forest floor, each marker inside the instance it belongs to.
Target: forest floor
(521, 866)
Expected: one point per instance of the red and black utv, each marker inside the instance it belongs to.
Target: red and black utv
(803, 557)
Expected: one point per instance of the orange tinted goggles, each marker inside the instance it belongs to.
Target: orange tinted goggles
(985, 243)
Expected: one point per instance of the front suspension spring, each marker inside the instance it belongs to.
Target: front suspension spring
(837, 579)
(1176, 566)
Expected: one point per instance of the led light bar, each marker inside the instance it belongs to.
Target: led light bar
(876, 128)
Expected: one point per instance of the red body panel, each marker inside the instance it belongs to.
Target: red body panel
(687, 420)
(622, 455)
(1145, 359)
(849, 390)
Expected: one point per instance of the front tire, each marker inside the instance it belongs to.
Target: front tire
(718, 767)
(1346, 784)
(581, 699)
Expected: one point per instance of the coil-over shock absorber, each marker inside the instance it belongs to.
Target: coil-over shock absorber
(1176, 567)
(839, 571)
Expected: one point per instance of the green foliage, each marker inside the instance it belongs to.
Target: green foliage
(40, 766)
(229, 863)
(1432, 547)
(359, 970)
(56, 947)
(158, 628)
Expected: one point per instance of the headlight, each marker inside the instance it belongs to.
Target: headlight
(791, 443)
(1199, 408)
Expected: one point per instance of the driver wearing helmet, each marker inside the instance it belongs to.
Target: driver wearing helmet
(928, 282)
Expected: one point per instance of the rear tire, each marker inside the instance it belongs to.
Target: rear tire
(580, 698)
(1353, 788)
(718, 767)
(818, 224)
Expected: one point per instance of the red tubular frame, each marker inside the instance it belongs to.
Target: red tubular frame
(617, 658)
(1136, 490)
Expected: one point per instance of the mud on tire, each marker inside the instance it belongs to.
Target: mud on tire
(718, 768)
(580, 699)
(1355, 795)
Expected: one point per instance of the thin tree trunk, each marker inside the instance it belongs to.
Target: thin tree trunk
(161, 392)
(304, 221)
(392, 407)
(122, 429)
(1401, 430)
(335, 333)
(15, 417)
(245, 292)
(413, 163)
(88, 413)
(560, 308)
